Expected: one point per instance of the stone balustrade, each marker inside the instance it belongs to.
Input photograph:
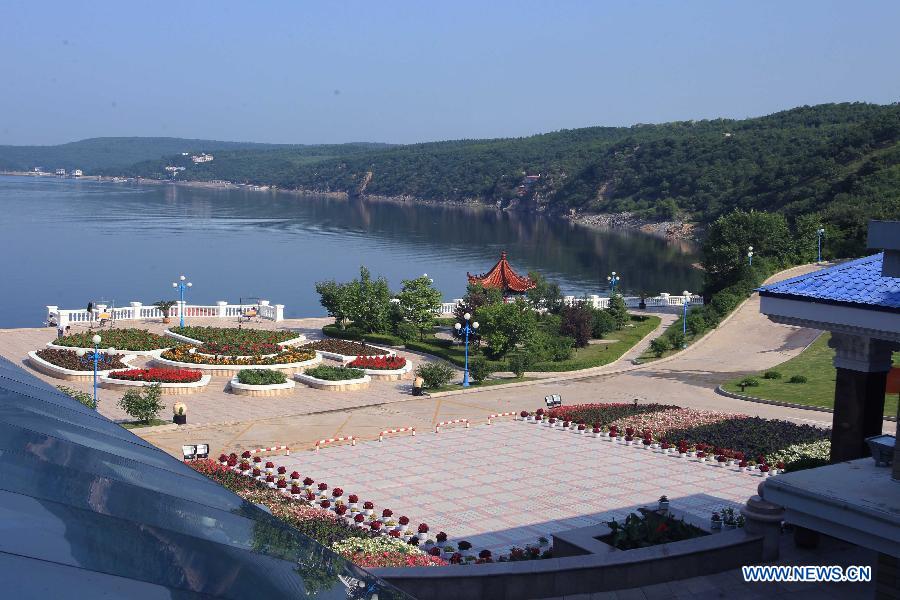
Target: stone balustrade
(137, 311)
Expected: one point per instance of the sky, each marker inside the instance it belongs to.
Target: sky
(404, 72)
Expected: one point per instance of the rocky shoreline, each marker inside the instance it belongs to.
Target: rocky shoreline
(677, 230)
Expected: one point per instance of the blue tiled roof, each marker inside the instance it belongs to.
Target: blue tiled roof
(856, 283)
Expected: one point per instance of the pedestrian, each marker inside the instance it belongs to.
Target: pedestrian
(90, 309)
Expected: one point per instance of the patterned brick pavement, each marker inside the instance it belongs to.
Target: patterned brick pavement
(512, 482)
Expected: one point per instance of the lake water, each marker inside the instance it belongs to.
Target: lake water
(66, 242)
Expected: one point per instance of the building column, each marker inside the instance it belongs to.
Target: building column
(862, 366)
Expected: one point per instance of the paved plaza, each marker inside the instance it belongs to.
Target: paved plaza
(510, 483)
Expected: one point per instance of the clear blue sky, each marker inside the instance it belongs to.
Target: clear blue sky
(311, 72)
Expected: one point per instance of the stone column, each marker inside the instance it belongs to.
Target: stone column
(862, 365)
(136, 310)
(279, 313)
(220, 307)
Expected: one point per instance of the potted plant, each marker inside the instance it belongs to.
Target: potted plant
(353, 501)
(323, 489)
(270, 481)
(465, 547)
(404, 522)
(441, 538)
(596, 431)
(179, 413)
(613, 433)
(359, 520)
(642, 305)
(386, 515)
(728, 518)
(165, 306)
(308, 483)
(715, 522)
(368, 508)
(581, 428)
(779, 466)
(525, 416)
(423, 532)
(295, 476)
(765, 470)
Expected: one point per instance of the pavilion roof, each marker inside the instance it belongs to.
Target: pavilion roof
(858, 283)
(502, 276)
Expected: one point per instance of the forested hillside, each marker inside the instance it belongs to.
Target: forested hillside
(107, 152)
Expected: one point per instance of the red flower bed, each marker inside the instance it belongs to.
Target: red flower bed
(385, 363)
(158, 375)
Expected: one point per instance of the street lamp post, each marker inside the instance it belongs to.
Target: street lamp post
(687, 298)
(613, 279)
(181, 284)
(750, 254)
(819, 233)
(95, 357)
(467, 329)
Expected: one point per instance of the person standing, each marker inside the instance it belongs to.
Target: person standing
(90, 309)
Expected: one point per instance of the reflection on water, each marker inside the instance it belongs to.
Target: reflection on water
(67, 242)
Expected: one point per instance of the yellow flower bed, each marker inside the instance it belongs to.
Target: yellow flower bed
(289, 355)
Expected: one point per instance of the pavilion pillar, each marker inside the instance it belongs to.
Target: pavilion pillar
(862, 367)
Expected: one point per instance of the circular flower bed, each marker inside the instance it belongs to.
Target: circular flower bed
(158, 375)
(287, 355)
(233, 336)
(68, 359)
(346, 348)
(139, 340)
(334, 378)
(261, 377)
(379, 363)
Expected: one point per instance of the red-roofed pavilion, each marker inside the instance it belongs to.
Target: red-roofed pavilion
(503, 277)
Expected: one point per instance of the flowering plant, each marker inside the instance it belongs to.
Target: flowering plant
(308, 481)
(340, 509)
(581, 427)
(295, 475)
(441, 537)
(270, 479)
(257, 459)
(158, 375)
(423, 528)
(375, 525)
(337, 492)
(256, 472)
(523, 414)
(325, 503)
(295, 489)
(245, 454)
(359, 518)
(464, 545)
(353, 498)
(394, 533)
(282, 484)
(223, 458)
(245, 466)
(404, 520)
(368, 505)
(310, 497)
(387, 513)
(270, 465)
(379, 363)
(323, 486)
(435, 551)
(485, 554)
(282, 470)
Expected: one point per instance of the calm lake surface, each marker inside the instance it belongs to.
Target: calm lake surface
(66, 242)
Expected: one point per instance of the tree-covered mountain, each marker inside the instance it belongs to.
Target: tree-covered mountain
(109, 152)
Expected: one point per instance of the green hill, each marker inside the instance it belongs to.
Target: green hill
(108, 152)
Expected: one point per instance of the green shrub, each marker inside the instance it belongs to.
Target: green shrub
(143, 406)
(261, 377)
(83, 397)
(660, 346)
(602, 323)
(480, 369)
(517, 364)
(435, 374)
(724, 302)
(334, 373)
(676, 338)
(772, 375)
(407, 332)
(696, 323)
(797, 379)
(748, 382)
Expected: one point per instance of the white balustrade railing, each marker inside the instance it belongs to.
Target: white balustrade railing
(596, 301)
(137, 311)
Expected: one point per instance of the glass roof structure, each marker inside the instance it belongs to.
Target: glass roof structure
(88, 509)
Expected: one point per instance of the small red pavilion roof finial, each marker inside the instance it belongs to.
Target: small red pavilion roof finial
(503, 277)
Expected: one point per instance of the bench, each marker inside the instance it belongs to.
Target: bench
(553, 400)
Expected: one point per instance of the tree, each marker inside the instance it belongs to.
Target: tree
(143, 406)
(369, 302)
(435, 374)
(335, 298)
(83, 397)
(545, 294)
(504, 326)
(419, 301)
(617, 310)
(577, 323)
(476, 296)
(602, 323)
(729, 237)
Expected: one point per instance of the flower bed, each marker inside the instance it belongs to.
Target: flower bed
(68, 359)
(345, 351)
(326, 373)
(234, 336)
(378, 363)
(649, 528)
(261, 382)
(139, 340)
(286, 356)
(48, 360)
(158, 375)
(240, 349)
(334, 378)
(716, 434)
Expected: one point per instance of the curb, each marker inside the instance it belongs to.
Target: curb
(723, 392)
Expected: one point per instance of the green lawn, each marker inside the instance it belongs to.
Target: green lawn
(596, 355)
(689, 339)
(485, 383)
(815, 364)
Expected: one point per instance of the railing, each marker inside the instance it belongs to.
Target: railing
(635, 301)
(136, 311)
